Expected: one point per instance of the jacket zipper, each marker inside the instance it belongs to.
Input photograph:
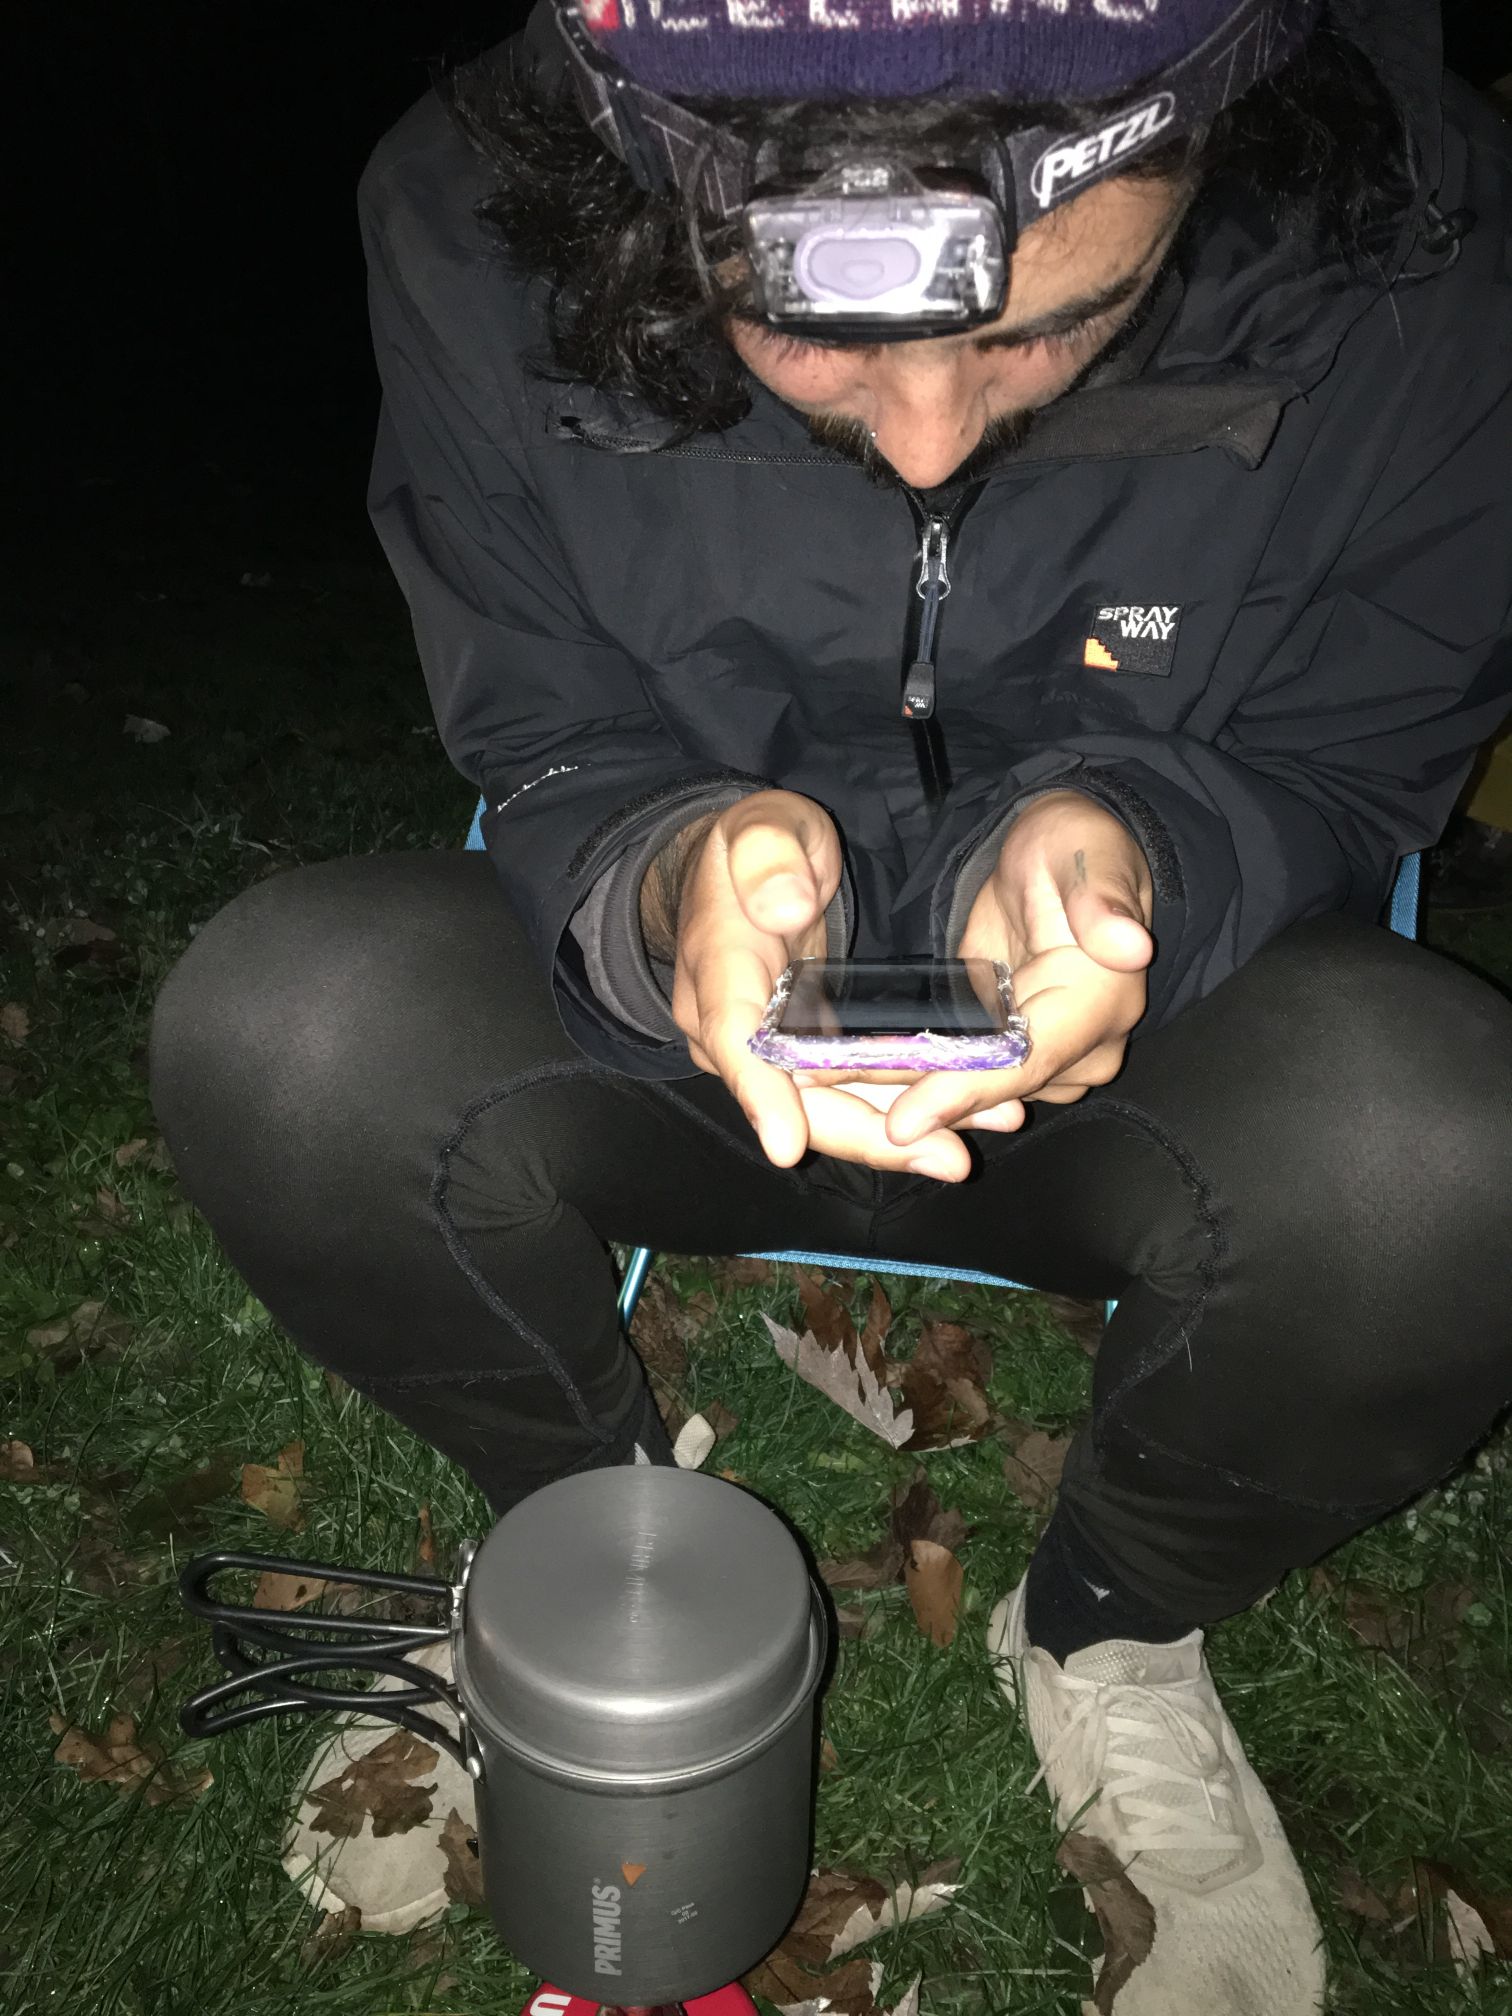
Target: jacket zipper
(931, 587)
(921, 650)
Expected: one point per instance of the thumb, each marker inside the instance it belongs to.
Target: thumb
(776, 881)
(1105, 922)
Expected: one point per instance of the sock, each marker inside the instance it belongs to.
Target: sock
(1073, 1600)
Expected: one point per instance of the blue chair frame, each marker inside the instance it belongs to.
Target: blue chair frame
(1401, 916)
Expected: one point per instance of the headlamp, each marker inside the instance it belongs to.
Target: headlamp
(868, 244)
(865, 252)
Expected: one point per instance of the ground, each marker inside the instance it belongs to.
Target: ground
(249, 613)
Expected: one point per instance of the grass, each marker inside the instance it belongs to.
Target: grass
(298, 731)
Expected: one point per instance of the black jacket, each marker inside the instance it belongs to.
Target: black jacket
(1289, 528)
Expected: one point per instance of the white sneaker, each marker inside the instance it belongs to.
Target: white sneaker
(396, 1879)
(1136, 1749)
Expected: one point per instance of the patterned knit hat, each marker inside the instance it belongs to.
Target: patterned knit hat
(1060, 51)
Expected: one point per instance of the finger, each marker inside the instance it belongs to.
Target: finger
(767, 1097)
(784, 866)
(1106, 923)
(845, 1127)
(1006, 1118)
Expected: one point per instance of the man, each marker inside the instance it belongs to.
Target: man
(1129, 629)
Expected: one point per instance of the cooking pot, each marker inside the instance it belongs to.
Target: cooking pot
(638, 1654)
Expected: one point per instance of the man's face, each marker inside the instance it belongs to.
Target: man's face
(1076, 278)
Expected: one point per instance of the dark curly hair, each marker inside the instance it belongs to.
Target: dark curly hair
(633, 306)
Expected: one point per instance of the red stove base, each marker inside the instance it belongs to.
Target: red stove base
(731, 2001)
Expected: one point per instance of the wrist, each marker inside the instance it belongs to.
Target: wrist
(665, 883)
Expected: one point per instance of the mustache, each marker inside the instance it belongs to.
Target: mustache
(846, 436)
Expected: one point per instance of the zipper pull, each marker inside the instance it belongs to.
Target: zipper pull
(933, 585)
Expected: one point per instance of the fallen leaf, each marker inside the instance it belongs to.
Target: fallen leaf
(1492, 1908)
(175, 1510)
(18, 1464)
(1418, 1625)
(1124, 1913)
(1358, 1897)
(851, 1621)
(905, 1905)
(93, 1330)
(144, 1678)
(916, 1515)
(378, 1786)
(1033, 1467)
(331, 1937)
(741, 1270)
(104, 1569)
(425, 1550)
(278, 1491)
(15, 1023)
(830, 1323)
(852, 1385)
(79, 941)
(128, 1151)
(464, 1872)
(945, 1384)
(140, 729)
(829, 1756)
(934, 1579)
(118, 1759)
(336, 1386)
(839, 1912)
(278, 1591)
(721, 1420)
(694, 1444)
(1469, 1939)
(1085, 1322)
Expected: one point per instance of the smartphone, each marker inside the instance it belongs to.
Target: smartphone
(893, 1015)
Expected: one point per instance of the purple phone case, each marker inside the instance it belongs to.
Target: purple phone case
(921, 1050)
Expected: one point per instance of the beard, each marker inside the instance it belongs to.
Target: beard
(848, 437)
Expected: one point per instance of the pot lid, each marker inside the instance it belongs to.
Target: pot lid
(636, 1622)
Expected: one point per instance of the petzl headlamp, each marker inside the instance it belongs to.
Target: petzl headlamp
(866, 252)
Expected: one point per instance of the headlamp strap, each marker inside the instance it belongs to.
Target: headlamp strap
(667, 147)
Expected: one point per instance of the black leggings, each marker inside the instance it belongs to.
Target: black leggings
(1298, 1192)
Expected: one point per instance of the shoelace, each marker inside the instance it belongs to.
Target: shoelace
(1110, 1715)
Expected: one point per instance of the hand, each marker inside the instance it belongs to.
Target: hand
(754, 887)
(1068, 906)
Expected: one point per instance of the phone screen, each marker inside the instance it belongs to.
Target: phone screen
(894, 997)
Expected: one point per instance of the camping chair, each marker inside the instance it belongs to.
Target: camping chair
(1401, 916)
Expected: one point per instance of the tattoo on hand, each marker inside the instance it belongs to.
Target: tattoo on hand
(1081, 865)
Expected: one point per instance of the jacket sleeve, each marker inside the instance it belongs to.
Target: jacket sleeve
(1351, 746)
(546, 715)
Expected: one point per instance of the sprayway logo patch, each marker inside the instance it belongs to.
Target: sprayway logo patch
(1069, 162)
(1133, 637)
(607, 1943)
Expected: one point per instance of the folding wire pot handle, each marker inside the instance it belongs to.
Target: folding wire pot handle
(283, 1684)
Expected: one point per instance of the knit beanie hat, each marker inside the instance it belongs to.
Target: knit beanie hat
(1035, 51)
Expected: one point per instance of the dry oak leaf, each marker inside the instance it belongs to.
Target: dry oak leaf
(116, 1758)
(331, 1937)
(904, 1905)
(464, 1872)
(742, 1270)
(93, 1330)
(425, 1547)
(1492, 1908)
(916, 1515)
(945, 1384)
(1124, 1913)
(277, 1591)
(15, 1023)
(833, 1328)
(1033, 1467)
(934, 1579)
(278, 1491)
(852, 1385)
(379, 1785)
